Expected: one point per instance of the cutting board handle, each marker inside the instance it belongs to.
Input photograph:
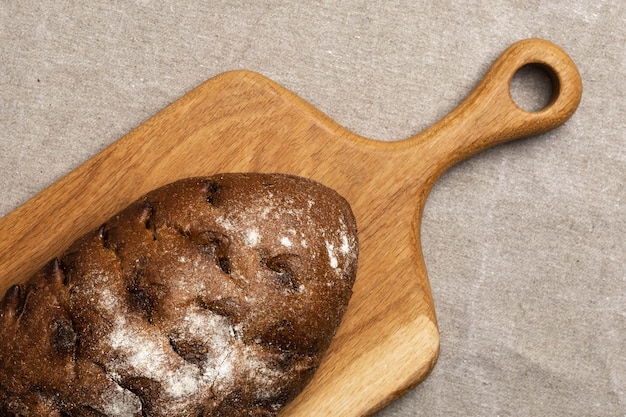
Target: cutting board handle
(489, 115)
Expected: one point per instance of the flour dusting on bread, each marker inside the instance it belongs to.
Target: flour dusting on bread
(213, 296)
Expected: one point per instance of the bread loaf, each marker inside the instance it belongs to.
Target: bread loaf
(213, 296)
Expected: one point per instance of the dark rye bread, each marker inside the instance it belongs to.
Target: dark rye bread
(213, 296)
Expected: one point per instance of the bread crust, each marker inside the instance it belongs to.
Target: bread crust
(212, 296)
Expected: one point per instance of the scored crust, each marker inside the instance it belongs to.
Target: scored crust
(212, 296)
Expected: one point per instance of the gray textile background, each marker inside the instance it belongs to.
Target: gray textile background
(525, 243)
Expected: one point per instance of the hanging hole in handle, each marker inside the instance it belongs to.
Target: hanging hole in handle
(534, 87)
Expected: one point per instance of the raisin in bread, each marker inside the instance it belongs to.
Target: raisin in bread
(213, 296)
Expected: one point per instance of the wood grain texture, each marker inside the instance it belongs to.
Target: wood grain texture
(241, 121)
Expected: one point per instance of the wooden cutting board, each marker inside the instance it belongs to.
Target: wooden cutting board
(241, 121)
